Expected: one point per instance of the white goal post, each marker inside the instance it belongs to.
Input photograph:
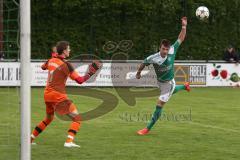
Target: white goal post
(25, 56)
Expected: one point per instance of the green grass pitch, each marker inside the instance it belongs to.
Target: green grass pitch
(202, 124)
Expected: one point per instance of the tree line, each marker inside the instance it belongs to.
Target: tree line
(89, 24)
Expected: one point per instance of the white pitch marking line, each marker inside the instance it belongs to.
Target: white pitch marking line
(214, 127)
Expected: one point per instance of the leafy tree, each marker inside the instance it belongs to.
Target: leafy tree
(89, 24)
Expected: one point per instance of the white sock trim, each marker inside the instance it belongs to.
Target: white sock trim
(33, 136)
(69, 136)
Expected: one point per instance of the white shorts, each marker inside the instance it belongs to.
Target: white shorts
(166, 90)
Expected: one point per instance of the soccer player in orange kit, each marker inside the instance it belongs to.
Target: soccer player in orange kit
(55, 96)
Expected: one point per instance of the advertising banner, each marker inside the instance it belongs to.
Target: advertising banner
(10, 74)
(223, 74)
(123, 74)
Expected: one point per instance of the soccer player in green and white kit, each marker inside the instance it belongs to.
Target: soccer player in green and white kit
(163, 63)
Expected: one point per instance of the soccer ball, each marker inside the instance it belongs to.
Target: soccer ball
(202, 12)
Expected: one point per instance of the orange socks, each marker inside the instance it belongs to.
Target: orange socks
(74, 127)
(40, 127)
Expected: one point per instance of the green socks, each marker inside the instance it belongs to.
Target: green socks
(158, 110)
(178, 88)
(155, 116)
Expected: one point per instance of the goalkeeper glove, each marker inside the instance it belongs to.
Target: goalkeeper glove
(93, 67)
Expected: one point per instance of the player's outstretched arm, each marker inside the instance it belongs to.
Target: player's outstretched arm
(182, 34)
(141, 67)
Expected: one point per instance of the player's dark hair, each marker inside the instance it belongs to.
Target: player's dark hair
(61, 46)
(166, 43)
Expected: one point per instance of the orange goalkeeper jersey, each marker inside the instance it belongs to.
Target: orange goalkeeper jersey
(58, 72)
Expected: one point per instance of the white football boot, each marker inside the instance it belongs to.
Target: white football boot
(70, 145)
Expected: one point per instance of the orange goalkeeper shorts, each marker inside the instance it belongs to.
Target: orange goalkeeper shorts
(62, 108)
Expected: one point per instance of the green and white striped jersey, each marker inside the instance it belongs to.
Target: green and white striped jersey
(164, 67)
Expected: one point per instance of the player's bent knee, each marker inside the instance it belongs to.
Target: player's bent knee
(76, 118)
(160, 103)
